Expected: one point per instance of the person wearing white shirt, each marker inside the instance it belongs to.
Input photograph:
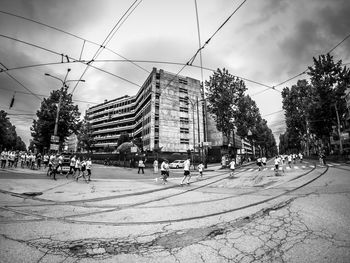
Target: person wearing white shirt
(232, 167)
(187, 173)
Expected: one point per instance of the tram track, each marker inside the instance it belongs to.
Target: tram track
(71, 219)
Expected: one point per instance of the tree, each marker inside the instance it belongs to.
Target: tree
(85, 138)
(249, 116)
(8, 135)
(68, 121)
(224, 91)
(297, 103)
(124, 137)
(330, 81)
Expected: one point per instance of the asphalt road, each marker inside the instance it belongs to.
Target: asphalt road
(122, 216)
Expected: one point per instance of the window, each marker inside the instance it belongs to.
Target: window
(184, 130)
(183, 109)
(184, 120)
(183, 81)
(182, 90)
(184, 141)
(184, 100)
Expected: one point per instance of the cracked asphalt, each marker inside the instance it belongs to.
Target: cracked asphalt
(302, 216)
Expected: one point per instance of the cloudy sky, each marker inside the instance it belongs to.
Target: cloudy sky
(265, 42)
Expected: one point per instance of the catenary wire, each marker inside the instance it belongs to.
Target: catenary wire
(74, 59)
(73, 35)
(105, 42)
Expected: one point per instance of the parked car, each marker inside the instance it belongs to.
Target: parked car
(177, 164)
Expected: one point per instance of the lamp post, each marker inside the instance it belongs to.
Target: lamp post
(64, 86)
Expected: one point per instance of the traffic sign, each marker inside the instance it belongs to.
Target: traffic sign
(54, 147)
(55, 139)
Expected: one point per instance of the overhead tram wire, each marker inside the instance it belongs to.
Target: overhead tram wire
(305, 71)
(106, 41)
(18, 82)
(72, 58)
(73, 35)
(44, 96)
(138, 61)
(190, 62)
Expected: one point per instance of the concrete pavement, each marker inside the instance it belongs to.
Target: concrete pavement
(253, 217)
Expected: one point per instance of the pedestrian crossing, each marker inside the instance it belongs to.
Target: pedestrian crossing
(286, 167)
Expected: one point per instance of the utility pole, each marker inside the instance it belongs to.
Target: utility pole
(339, 134)
(64, 87)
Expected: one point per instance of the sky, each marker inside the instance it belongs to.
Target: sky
(265, 42)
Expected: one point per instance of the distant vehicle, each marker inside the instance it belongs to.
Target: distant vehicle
(177, 164)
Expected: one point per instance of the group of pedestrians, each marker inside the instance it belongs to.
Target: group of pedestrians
(78, 167)
(165, 171)
(23, 159)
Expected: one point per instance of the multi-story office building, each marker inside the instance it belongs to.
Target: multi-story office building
(167, 112)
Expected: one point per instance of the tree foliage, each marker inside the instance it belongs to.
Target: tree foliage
(231, 109)
(310, 109)
(297, 102)
(224, 91)
(329, 80)
(85, 139)
(68, 121)
(8, 136)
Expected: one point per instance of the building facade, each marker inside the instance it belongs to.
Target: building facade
(166, 113)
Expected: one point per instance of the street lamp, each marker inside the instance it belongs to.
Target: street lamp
(64, 85)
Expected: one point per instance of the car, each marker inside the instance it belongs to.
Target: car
(177, 164)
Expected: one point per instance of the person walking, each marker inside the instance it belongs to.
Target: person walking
(55, 166)
(88, 168)
(263, 160)
(155, 166)
(200, 168)
(46, 160)
(258, 162)
(290, 160)
(3, 159)
(71, 166)
(77, 168)
(232, 167)
(187, 173)
(83, 169)
(164, 171)
(141, 166)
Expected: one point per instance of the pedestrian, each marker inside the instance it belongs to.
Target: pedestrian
(3, 158)
(232, 167)
(290, 160)
(77, 169)
(301, 157)
(32, 161)
(51, 164)
(164, 171)
(263, 160)
(55, 166)
(46, 160)
(141, 165)
(88, 168)
(187, 173)
(71, 166)
(155, 166)
(200, 168)
(38, 160)
(258, 162)
(83, 169)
